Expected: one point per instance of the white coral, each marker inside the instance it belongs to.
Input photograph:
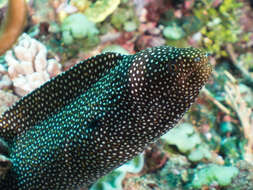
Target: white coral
(5, 81)
(28, 65)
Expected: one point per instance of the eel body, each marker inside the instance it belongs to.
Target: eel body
(98, 115)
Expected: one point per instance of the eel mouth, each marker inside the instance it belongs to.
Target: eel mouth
(199, 72)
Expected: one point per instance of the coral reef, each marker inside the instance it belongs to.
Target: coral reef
(217, 131)
(28, 66)
(116, 49)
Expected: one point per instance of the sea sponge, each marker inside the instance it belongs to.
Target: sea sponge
(28, 65)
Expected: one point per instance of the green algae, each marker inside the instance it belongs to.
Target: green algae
(214, 174)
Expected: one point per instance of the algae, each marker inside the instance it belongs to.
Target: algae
(211, 174)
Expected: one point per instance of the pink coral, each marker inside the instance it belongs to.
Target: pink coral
(28, 65)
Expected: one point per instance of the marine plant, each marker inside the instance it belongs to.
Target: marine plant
(219, 24)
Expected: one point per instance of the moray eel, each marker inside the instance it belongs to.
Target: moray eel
(98, 115)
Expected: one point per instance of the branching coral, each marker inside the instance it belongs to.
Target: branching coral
(14, 24)
(28, 65)
(235, 99)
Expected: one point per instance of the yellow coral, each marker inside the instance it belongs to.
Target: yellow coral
(98, 11)
(62, 15)
(81, 5)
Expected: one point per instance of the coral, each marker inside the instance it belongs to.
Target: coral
(229, 147)
(116, 49)
(5, 81)
(113, 181)
(187, 140)
(183, 136)
(98, 11)
(6, 100)
(235, 100)
(28, 65)
(201, 152)
(81, 5)
(64, 9)
(173, 32)
(77, 26)
(244, 180)
(3, 3)
(173, 175)
(124, 17)
(145, 41)
(214, 174)
(14, 24)
(221, 24)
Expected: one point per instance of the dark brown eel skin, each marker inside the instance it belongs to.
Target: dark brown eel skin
(98, 115)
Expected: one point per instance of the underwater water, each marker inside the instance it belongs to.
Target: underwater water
(80, 128)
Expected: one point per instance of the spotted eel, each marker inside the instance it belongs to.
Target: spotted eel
(96, 116)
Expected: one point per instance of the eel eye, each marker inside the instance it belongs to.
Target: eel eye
(173, 67)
